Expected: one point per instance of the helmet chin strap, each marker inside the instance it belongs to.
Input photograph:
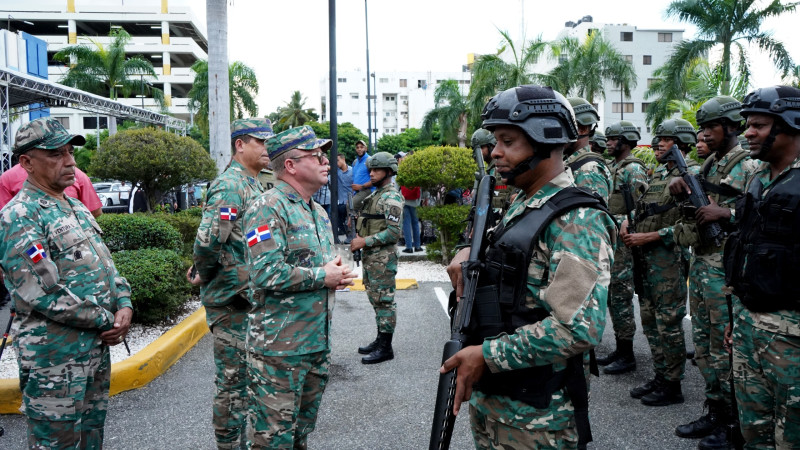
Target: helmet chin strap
(524, 166)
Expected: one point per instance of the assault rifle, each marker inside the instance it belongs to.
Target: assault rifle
(351, 230)
(711, 232)
(477, 154)
(443, 417)
(639, 265)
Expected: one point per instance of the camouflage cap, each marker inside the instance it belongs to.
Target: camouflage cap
(301, 138)
(258, 127)
(45, 133)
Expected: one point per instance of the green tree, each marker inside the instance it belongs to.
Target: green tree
(408, 140)
(492, 74)
(728, 24)
(242, 86)
(154, 160)
(450, 113)
(793, 79)
(295, 114)
(585, 67)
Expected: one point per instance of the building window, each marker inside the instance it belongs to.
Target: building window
(338, 113)
(644, 109)
(342, 80)
(354, 95)
(463, 81)
(403, 97)
(626, 36)
(402, 130)
(389, 98)
(354, 113)
(339, 97)
(629, 58)
(650, 82)
(383, 80)
(64, 121)
(403, 82)
(91, 122)
(422, 84)
(664, 37)
(647, 60)
(616, 106)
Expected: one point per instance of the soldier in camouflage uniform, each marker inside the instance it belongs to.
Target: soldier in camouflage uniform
(663, 304)
(267, 178)
(598, 142)
(222, 273)
(723, 176)
(621, 138)
(761, 265)
(378, 229)
(293, 274)
(588, 168)
(566, 281)
(483, 143)
(70, 300)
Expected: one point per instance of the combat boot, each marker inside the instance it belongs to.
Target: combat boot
(718, 439)
(703, 426)
(650, 386)
(369, 348)
(667, 393)
(383, 352)
(625, 361)
(608, 359)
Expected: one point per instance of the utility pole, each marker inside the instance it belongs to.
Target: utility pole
(369, 108)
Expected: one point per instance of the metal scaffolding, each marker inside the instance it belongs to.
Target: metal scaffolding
(21, 93)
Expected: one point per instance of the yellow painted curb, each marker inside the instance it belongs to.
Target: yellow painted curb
(139, 369)
(402, 283)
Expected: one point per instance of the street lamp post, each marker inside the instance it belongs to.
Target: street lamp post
(369, 108)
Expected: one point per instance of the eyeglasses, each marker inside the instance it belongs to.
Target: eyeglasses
(321, 156)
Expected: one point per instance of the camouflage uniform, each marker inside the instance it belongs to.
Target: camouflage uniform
(380, 253)
(620, 292)
(592, 175)
(574, 325)
(289, 240)
(219, 256)
(707, 303)
(502, 192)
(267, 179)
(66, 291)
(766, 357)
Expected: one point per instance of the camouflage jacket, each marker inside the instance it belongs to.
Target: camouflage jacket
(64, 284)
(658, 195)
(593, 175)
(388, 203)
(289, 240)
(629, 172)
(568, 275)
(219, 250)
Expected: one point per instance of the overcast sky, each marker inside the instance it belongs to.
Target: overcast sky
(286, 42)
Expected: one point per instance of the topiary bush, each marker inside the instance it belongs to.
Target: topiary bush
(138, 231)
(186, 224)
(157, 279)
(450, 220)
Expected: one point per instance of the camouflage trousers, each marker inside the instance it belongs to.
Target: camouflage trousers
(709, 317)
(620, 295)
(229, 328)
(767, 383)
(380, 269)
(489, 433)
(66, 404)
(285, 393)
(662, 308)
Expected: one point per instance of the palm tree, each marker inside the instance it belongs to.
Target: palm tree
(584, 68)
(294, 114)
(450, 112)
(107, 71)
(793, 79)
(242, 88)
(491, 74)
(727, 23)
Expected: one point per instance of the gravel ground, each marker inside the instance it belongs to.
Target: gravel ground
(140, 336)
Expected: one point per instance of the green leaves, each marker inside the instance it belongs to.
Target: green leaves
(438, 169)
(158, 286)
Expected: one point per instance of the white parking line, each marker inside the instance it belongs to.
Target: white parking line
(444, 299)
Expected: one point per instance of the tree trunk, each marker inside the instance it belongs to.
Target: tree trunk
(112, 126)
(462, 130)
(218, 84)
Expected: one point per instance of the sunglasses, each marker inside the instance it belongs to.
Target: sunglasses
(321, 157)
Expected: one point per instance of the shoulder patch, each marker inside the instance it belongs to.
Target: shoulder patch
(257, 235)
(36, 253)
(228, 213)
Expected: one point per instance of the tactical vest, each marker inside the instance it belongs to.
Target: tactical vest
(712, 184)
(762, 256)
(371, 220)
(585, 159)
(499, 304)
(616, 202)
(657, 208)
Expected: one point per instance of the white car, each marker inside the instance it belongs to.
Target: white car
(113, 193)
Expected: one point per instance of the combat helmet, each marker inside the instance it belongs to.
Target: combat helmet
(679, 129)
(540, 112)
(625, 129)
(483, 137)
(777, 101)
(383, 160)
(720, 107)
(599, 138)
(585, 114)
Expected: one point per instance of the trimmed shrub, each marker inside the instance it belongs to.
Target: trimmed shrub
(138, 231)
(186, 225)
(450, 220)
(158, 285)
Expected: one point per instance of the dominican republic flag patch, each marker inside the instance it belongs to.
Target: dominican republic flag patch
(259, 234)
(36, 252)
(228, 213)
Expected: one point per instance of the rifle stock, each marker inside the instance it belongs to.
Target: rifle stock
(639, 266)
(443, 417)
(711, 232)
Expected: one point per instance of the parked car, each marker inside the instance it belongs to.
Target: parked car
(113, 193)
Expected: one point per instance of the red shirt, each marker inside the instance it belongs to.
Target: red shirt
(11, 182)
(412, 193)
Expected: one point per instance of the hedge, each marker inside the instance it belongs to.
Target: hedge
(138, 231)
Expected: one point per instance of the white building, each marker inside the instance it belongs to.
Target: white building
(166, 33)
(402, 98)
(647, 50)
